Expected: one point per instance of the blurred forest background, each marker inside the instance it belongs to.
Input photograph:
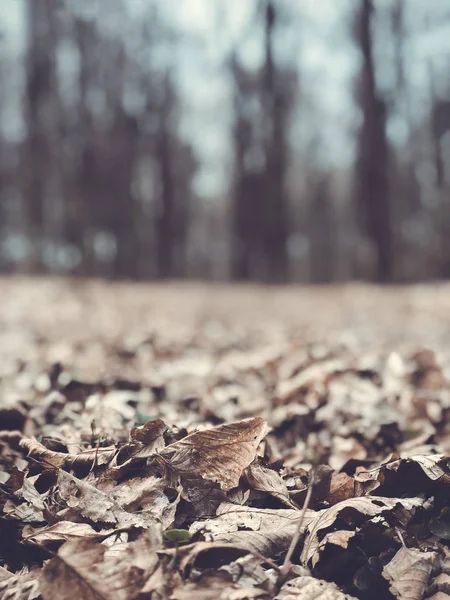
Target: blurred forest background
(264, 140)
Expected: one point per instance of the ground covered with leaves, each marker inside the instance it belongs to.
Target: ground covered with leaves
(186, 441)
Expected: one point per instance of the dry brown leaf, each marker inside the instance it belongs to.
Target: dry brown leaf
(25, 512)
(288, 389)
(84, 569)
(349, 397)
(205, 496)
(78, 572)
(364, 506)
(220, 454)
(32, 509)
(309, 588)
(260, 531)
(62, 531)
(19, 587)
(160, 581)
(93, 504)
(249, 571)
(36, 450)
(211, 555)
(338, 538)
(144, 495)
(267, 480)
(408, 573)
(217, 585)
(150, 433)
(342, 487)
(430, 464)
(442, 582)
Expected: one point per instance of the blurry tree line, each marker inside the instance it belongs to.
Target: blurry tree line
(101, 180)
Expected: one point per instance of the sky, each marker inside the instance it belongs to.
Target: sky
(11, 21)
(317, 40)
(219, 26)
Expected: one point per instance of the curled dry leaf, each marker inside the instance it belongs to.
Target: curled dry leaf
(261, 531)
(249, 571)
(19, 587)
(355, 509)
(78, 571)
(204, 496)
(342, 487)
(151, 433)
(39, 452)
(99, 456)
(84, 569)
(408, 573)
(429, 463)
(144, 495)
(211, 555)
(217, 585)
(60, 532)
(309, 588)
(220, 454)
(146, 441)
(31, 510)
(289, 389)
(267, 480)
(85, 499)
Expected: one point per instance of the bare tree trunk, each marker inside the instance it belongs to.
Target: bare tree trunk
(120, 191)
(165, 234)
(274, 194)
(259, 219)
(322, 232)
(41, 101)
(440, 115)
(246, 217)
(372, 169)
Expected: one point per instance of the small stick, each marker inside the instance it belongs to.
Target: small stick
(287, 564)
(399, 533)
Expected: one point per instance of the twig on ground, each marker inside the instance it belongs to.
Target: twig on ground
(287, 564)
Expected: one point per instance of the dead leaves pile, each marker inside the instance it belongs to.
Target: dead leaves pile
(167, 450)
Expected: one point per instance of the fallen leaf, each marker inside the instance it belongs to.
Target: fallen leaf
(262, 531)
(85, 499)
(19, 587)
(211, 555)
(220, 454)
(342, 487)
(150, 434)
(84, 569)
(267, 480)
(355, 509)
(408, 573)
(181, 536)
(309, 588)
(99, 456)
(217, 585)
(62, 531)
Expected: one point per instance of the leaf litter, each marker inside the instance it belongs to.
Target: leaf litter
(223, 443)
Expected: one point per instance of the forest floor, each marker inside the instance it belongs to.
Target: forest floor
(224, 442)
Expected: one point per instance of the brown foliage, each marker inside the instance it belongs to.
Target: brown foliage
(176, 461)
